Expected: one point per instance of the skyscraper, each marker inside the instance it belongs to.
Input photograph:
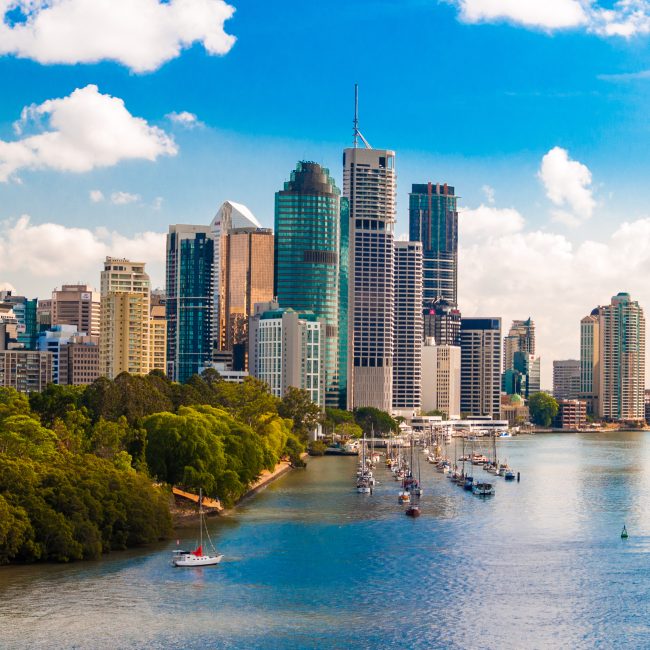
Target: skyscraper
(407, 363)
(243, 271)
(590, 360)
(433, 220)
(622, 360)
(442, 322)
(189, 303)
(369, 182)
(521, 369)
(480, 343)
(307, 256)
(566, 379)
(125, 324)
(441, 378)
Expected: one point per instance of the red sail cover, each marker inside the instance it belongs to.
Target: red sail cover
(198, 552)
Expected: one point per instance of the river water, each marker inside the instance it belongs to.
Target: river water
(311, 564)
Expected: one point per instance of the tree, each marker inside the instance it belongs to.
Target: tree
(348, 430)
(543, 408)
(298, 406)
(373, 421)
(436, 412)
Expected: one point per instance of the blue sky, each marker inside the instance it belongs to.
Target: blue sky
(463, 95)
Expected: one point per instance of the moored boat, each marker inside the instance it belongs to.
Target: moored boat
(483, 489)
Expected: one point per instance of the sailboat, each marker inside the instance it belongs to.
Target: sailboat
(197, 557)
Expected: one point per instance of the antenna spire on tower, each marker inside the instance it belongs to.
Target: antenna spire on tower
(355, 122)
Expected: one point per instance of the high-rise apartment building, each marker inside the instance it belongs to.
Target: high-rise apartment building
(307, 257)
(480, 342)
(125, 323)
(190, 300)
(407, 357)
(77, 305)
(590, 360)
(622, 360)
(369, 181)
(433, 220)
(287, 349)
(158, 338)
(441, 378)
(25, 370)
(566, 379)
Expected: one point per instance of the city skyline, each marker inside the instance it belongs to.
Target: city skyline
(525, 158)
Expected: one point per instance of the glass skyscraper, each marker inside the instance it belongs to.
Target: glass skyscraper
(189, 307)
(307, 260)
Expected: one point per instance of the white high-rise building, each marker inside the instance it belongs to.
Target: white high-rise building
(441, 378)
(407, 360)
(287, 348)
(369, 182)
(590, 360)
(622, 360)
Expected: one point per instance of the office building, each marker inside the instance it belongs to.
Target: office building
(74, 304)
(566, 379)
(189, 301)
(407, 357)
(287, 349)
(572, 414)
(125, 326)
(433, 220)
(79, 361)
(307, 261)
(20, 312)
(442, 322)
(243, 275)
(25, 370)
(521, 338)
(480, 343)
(52, 341)
(622, 360)
(441, 378)
(369, 182)
(521, 369)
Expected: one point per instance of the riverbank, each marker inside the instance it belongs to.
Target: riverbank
(185, 513)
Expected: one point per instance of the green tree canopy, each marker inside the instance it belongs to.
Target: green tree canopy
(372, 420)
(543, 408)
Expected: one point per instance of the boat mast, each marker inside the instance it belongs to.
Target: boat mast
(201, 519)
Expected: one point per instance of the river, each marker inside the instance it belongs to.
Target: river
(311, 564)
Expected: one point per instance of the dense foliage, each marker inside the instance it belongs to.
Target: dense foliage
(543, 408)
(80, 467)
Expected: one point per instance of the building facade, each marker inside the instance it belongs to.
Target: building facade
(124, 344)
(79, 361)
(369, 183)
(572, 414)
(442, 322)
(441, 378)
(590, 360)
(287, 349)
(25, 370)
(77, 305)
(307, 256)
(433, 220)
(521, 368)
(189, 306)
(566, 379)
(480, 342)
(622, 360)
(407, 357)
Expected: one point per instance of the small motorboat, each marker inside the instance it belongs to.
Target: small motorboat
(404, 497)
(412, 511)
(483, 489)
(509, 475)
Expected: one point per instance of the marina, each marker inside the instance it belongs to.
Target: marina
(308, 562)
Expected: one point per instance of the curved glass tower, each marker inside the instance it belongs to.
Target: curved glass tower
(308, 260)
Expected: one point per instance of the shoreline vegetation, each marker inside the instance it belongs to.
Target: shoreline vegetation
(85, 470)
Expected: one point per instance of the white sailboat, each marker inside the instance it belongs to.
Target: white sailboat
(197, 557)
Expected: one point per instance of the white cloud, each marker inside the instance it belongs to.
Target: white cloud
(81, 132)
(139, 34)
(514, 272)
(124, 198)
(487, 221)
(489, 193)
(96, 196)
(36, 257)
(185, 118)
(568, 185)
(624, 18)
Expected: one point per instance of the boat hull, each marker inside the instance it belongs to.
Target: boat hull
(197, 560)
